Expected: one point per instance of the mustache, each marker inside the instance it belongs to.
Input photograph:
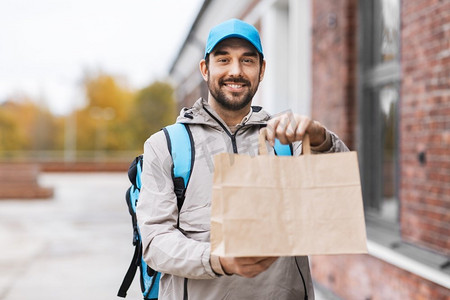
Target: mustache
(235, 80)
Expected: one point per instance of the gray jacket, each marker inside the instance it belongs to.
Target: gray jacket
(182, 254)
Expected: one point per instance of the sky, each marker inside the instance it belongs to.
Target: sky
(47, 46)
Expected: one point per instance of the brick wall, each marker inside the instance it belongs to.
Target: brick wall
(425, 124)
(20, 181)
(363, 277)
(424, 139)
(334, 66)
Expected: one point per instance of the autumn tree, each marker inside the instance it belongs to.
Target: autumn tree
(12, 137)
(102, 123)
(26, 126)
(114, 118)
(154, 108)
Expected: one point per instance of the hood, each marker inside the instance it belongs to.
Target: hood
(201, 113)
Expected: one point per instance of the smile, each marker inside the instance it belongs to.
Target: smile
(234, 85)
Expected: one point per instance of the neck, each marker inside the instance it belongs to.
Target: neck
(230, 117)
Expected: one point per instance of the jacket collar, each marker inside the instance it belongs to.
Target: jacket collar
(202, 113)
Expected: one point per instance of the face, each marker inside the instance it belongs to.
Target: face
(233, 73)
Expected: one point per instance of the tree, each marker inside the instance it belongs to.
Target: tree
(24, 126)
(154, 108)
(102, 124)
(12, 138)
(115, 118)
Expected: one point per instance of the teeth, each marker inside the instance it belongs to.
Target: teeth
(235, 86)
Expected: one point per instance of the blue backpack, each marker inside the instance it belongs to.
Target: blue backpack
(181, 148)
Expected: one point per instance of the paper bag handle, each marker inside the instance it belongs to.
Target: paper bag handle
(262, 149)
(306, 146)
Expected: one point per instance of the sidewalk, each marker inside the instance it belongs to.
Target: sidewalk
(74, 246)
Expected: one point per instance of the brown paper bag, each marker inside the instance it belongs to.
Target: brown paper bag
(285, 206)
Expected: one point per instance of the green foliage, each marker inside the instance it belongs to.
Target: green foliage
(154, 108)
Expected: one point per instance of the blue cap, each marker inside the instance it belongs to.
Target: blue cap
(233, 28)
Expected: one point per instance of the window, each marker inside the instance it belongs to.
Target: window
(379, 99)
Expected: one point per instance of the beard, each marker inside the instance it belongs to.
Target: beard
(234, 101)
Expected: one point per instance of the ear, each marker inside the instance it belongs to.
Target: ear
(204, 69)
(262, 71)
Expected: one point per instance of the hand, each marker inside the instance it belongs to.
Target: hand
(291, 127)
(247, 267)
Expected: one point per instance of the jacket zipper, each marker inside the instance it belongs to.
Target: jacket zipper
(233, 141)
(232, 136)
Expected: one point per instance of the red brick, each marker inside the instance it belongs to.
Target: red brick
(365, 277)
(424, 108)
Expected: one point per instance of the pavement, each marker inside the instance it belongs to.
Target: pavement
(76, 245)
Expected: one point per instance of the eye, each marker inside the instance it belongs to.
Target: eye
(248, 60)
(222, 60)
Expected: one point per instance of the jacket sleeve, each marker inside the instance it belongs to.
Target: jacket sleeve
(165, 248)
(337, 145)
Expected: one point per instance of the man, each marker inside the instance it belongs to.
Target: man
(233, 67)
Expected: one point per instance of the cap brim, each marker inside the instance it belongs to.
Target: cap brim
(233, 35)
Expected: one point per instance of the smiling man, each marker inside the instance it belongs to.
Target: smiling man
(177, 243)
(233, 71)
(234, 62)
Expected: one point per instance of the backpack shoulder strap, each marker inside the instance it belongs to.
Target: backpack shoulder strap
(131, 196)
(282, 150)
(134, 171)
(181, 148)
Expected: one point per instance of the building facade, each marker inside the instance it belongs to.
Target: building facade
(378, 74)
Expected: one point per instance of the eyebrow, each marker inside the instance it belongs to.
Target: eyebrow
(223, 52)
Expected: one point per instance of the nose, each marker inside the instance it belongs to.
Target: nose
(235, 68)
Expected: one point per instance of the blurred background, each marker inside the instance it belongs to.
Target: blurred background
(85, 80)
(84, 83)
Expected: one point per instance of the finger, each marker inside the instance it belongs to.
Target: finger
(281, 129)
(298, 130)
(290, 128)
(317, 133)
(255, 269)
(304, 123)
(264, 259)
(244, 261)
(271, 127)
(266, 263)
(291, 124)
(251, 260)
